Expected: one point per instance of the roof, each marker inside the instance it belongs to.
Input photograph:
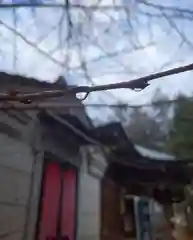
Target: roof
(153, 154)
(27, 84)
(64, 124)
(110, 134)
(7, 80)
(114, 134)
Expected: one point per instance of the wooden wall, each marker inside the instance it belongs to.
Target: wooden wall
(20, 171)
(89, 195)
(111, 222)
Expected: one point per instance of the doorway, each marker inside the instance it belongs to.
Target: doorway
(111, 221)
(57, 216)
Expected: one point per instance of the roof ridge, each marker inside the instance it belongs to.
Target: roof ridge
(8, 79)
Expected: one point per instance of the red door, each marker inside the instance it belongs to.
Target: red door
(50, 202)
(68, 204)
(58, 203)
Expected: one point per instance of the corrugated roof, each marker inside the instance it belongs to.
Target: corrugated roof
(153, 154)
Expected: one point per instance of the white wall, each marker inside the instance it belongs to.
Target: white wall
(17, 163)
(88, 206)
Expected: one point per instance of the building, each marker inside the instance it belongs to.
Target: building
(61, 177)
(42, 170)
(134, 170)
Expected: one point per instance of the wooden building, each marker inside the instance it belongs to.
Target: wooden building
(42, 174)
(55, 177)
(134, 170)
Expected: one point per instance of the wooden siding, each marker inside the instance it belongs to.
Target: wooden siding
(111, 228)
(19, 176)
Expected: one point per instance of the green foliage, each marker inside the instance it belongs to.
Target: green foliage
(180, 140)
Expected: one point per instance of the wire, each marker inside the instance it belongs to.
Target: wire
(92, 7)
(47, 105)
(72, 6)
(138, 83)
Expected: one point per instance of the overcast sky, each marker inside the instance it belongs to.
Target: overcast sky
(110, 43)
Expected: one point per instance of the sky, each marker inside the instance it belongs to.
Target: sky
(105, 46)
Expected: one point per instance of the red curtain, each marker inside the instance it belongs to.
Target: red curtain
(50, 202)
(59, 187)
(69, 205)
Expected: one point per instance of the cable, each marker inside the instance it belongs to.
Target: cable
(47, 105)
(92, 7)
(72, 6)
(134, 84)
